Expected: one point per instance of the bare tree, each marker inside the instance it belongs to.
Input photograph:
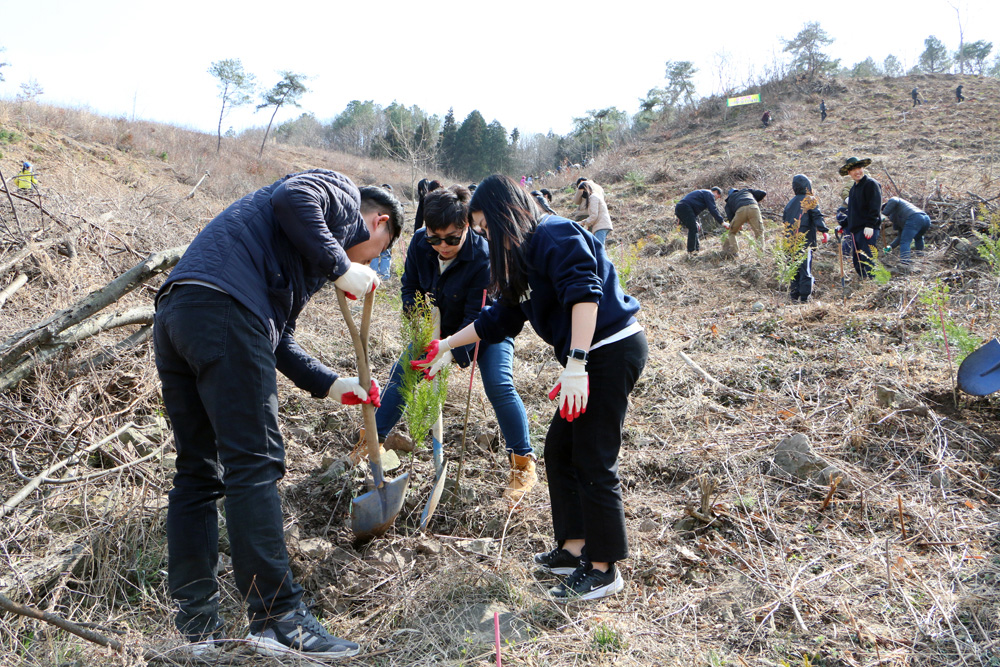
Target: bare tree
(961, 39)
(287, 91)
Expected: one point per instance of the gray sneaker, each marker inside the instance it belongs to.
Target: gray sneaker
(298, 631)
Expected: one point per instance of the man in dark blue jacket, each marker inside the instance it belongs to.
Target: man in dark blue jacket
(910, 222)
(688, 208)
(225, 320)
(864, 215)
(802, 215)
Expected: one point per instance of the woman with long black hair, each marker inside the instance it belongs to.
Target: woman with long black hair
(550, 272)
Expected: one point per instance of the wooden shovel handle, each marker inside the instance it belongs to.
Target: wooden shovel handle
(364, 375)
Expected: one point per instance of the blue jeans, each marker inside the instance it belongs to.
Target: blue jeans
(913, 232)
(382, 265)
(217, 367)
(496, 369)
(601, 234)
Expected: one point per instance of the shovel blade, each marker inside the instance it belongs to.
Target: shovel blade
(979, 373)
(374, 512)
(435, 497)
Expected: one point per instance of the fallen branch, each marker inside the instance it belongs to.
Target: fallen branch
(106, 357)
(703, 373)
(96, 301)
(69, 626)
(36, 481)
(142, 315)
(19, 282)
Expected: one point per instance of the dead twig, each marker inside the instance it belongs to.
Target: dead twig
(13, 607)
(26, 491)
(703, 373)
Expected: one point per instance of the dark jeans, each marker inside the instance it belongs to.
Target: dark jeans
(802, 283)
(689, 220)
(859, 249)
(913, 232)
(217, 368)
(581, 457)
(496, 368)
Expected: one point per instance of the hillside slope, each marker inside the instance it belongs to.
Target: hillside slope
(734, 561)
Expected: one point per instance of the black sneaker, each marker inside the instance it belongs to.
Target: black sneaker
(588, 583)
(558, 561)
(298, 631)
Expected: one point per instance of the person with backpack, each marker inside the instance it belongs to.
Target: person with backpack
(802, 215)
(548, 271)
(911, 223)
(742, 208)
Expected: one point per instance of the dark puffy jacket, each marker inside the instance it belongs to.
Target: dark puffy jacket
(864, 205)
(808, 222)
(458, 292)
(273, 249)
(737, 199)
(899, 211)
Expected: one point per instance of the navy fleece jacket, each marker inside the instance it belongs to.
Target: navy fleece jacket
(566, 266)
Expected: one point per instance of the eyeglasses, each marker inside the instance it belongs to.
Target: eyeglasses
(450, 240)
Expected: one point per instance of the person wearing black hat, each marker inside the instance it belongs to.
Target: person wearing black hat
(864, 214)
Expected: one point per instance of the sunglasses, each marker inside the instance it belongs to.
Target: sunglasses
(450, 240)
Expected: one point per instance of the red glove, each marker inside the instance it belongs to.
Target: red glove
(438, 355)
(349, 392)
(573, 390)
(826, 237)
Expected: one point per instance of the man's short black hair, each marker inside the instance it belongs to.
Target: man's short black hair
(717, 190)
(383, 201)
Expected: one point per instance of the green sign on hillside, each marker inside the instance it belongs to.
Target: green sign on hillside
(745, 99)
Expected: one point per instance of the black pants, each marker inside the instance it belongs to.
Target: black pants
(860, 250)
(802, 283)
(689, 220)
(217, 368)
(581, 457)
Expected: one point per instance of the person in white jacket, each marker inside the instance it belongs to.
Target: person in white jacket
(598, 220)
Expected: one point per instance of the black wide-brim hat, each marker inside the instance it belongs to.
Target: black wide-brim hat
(853, 162)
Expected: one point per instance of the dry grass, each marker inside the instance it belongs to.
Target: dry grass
(777, 571)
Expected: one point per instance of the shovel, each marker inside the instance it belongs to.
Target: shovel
(440, 465)
(374, 512)
(979, 373)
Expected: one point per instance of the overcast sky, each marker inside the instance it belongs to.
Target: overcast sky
(532, 65)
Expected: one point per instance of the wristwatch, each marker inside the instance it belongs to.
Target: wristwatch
(577, 353)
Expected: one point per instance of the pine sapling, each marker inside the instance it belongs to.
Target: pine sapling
(421, 399)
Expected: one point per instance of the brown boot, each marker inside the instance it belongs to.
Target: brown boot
(522, 477)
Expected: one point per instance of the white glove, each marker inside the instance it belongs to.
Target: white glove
(349, 391)
(573, 389)
(358, 280)
(726, 225)
(438, 357)
(868, 232)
